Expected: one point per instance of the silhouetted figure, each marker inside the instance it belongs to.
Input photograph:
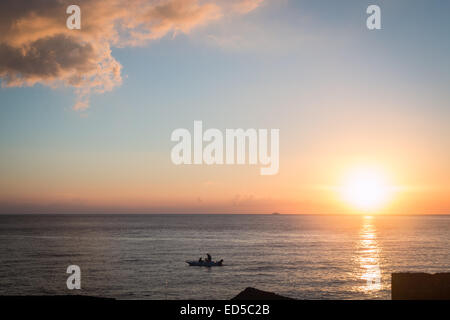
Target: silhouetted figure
(220, 262)
(200, 260)
(208, 259)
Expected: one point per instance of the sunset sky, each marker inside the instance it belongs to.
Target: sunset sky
(86, 115)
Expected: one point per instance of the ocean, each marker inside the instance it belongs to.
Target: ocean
(143, 256)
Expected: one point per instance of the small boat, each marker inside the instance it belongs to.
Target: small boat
(204, 263)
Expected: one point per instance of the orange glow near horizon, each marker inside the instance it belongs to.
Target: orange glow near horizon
(317, 183)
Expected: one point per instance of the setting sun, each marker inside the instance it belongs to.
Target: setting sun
(366, 189)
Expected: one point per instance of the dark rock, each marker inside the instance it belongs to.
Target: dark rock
(420, 286)
(62, 298)
(255, 294)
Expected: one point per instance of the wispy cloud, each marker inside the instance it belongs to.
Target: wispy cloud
(36, 46)
(245, 6)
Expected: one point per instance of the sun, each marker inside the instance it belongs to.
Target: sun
(366, 189)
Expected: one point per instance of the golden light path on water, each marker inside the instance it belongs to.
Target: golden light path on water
(369, 257)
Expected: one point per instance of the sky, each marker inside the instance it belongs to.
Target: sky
(86, 115)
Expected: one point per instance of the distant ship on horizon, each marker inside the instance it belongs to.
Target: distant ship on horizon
(276, 213)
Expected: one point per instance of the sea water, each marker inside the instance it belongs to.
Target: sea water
(143, 256)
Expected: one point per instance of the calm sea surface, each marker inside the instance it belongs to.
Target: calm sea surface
(142, 256)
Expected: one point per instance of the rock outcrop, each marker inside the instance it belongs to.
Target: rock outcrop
(255, 294)
(420, 286)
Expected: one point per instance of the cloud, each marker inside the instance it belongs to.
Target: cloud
(245, 6)
(37, 47)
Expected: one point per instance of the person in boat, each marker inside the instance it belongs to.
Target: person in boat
(220, 262)
(208, 259)
(200, 260)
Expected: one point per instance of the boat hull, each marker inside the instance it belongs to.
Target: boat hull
(204, 264)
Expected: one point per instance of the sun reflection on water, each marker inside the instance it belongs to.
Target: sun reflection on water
(369, 257)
